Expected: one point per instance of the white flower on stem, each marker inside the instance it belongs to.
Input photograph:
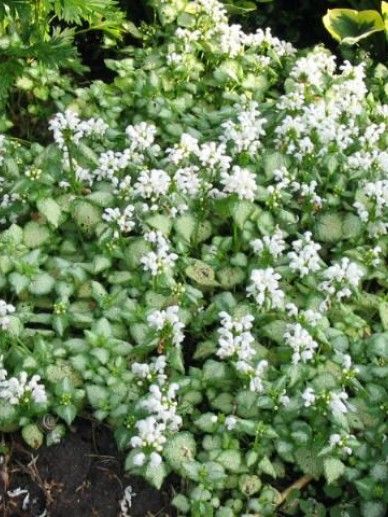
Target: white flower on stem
(123, 219)
(301, 342)
(187, 146)
(161, 259)
(308, 397)
(338, 403)
(245, 134)
(241, 182)
(305, 258)
(235, 338)
(21, 389)
(230, 422)
(340, 442)
(168, 321)
(341, 278)
(273, 244)
(213, 156)
(187, 180)
(150, 434)
(264, 287)
(152, 184)
(5, 310)
(141, 136)
(67, 127)
(256, 382)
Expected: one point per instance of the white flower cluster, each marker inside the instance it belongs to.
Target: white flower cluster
(239, 181)
(336, 401)
(340, 442)
(341, 278)
(305, 258)
(235, 338)
(167, 324)
(142, 137)
(301, 342)
(123, 219)
(317, 128)
(20, 389)
(68, 127)
(5, 310)
(375, 209)
(245, 134)
(235, 341)
(151, 184)
(264, 288)
(161, 259)
(160, 404)
(274, 244)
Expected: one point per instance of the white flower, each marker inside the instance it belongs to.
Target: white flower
(141, 136)
(301, 343)
(256, 382)
(152, 184)
(338, 402)
(139, 459)
(187, 180)
(273, 244)
(5, 310)
(124, 219)
(245, 134)
(235, 338)
(241, 182)
(264, 287)
(213, 156)
(308, 397)
(67, 127)
(161, 259)
(230, 422)
(168, 319)
(336, 441)
(19, 389)
(305, 258)
(341, 278)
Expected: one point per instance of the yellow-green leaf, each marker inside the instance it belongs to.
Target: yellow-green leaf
(350, 26)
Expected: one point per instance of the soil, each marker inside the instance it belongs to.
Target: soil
(80, 477)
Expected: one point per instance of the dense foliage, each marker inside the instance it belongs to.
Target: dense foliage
(199, 258)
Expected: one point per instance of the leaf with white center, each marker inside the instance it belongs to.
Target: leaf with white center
(333, 468)
(51, 210)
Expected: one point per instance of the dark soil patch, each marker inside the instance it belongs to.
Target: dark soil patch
(80, 477)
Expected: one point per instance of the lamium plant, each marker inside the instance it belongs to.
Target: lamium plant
(199, 259)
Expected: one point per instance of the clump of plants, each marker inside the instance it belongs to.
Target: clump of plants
(199, 258)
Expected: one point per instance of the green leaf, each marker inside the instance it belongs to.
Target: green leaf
(35, 234)
(96, 394)
(350, 26)
(32, 435)
(51, 210)
(42, 284)
(201, 273)
(383, 311)
(160, 222)
(333, 468)
(156, 475)
(179, 449)
(231, 460)
(308, 460)
(265, 465)
(67, 413)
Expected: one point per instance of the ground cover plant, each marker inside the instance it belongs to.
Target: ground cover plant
(199, 258)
